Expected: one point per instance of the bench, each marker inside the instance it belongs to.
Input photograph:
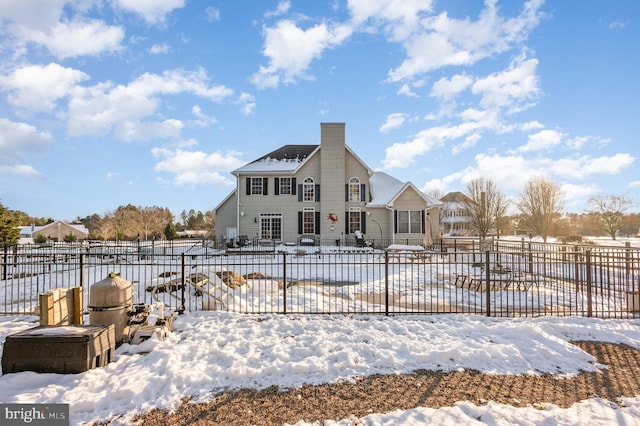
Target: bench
(407, 253)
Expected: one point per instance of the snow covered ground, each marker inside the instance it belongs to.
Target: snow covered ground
(214, 351)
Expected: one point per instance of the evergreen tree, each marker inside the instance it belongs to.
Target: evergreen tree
(9, 231)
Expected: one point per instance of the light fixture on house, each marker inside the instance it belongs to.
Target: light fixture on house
(241, 214)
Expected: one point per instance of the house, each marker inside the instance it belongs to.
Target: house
(455, 218)
(55, 231)
(323, 192)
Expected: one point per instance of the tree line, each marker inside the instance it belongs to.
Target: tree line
(124, 223)
(540, 212)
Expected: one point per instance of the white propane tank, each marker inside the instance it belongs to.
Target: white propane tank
(110, 301)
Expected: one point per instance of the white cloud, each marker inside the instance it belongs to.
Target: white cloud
(21, 170)
(60, 26)
(16, 138)
(509, 172)
(37, 88)
(585, 166)
(212, 13)
(400, 155)
(405, 89)
(399, 18)
(148, 130)
(544, 139)
(77, 38)
(448, 88)
(197, 167)
(247, 103)
(281, 9)
(291, 49)
(617, 25)
(509, 89)
(469, 142)
(576, 196)
(128, 110)
(394, 121)
(159, 48)
(203, 119)
(531, 125)
(442, 41)
(152, 11)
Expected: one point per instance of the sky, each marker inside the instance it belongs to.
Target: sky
(211, 352)
(105, 103)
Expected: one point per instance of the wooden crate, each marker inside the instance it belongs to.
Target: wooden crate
(59, 349)
(61, 306)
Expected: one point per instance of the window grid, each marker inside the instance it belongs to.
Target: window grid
(271, 226)
(354, 220)
(256, 186)
(309, 221)
(354, 189)
(308, 190)
(285, 186)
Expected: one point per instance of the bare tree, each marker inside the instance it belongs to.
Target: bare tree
(541, 203)
(487, 206)
(153, 221)
(609, 211)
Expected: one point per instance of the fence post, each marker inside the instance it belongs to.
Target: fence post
(82, 271)
(487, 276)
(284, 279)
(627, 258)
(5, 262)
(530, 259)
(386, 282)
(576, 262)
(183, 270)
(588, 275)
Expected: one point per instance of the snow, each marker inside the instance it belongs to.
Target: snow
(213, 351)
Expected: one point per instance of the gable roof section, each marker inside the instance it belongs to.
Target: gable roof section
(385, 189)
(286, 159)
(225, 200)
(456, 197)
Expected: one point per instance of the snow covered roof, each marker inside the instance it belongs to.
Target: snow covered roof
(284, 159)
(385, 189)
(27, 231)
(455, 197)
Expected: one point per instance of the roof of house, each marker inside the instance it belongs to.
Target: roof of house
(385, 189)
(29, 230)
(287, 158)
(455, 197)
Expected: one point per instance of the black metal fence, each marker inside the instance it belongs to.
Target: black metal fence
(493, 279)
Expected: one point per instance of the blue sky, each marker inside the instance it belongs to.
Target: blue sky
(109, 102)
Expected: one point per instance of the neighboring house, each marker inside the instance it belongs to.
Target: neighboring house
(323, 192)
(455, 217)
(55, 231)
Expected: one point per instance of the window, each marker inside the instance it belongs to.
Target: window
(409, 222)
(284, 186)
(257, 186)
(309, 220)
(308, 190)
(354, 189)
(354, 220)
(271, 226)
